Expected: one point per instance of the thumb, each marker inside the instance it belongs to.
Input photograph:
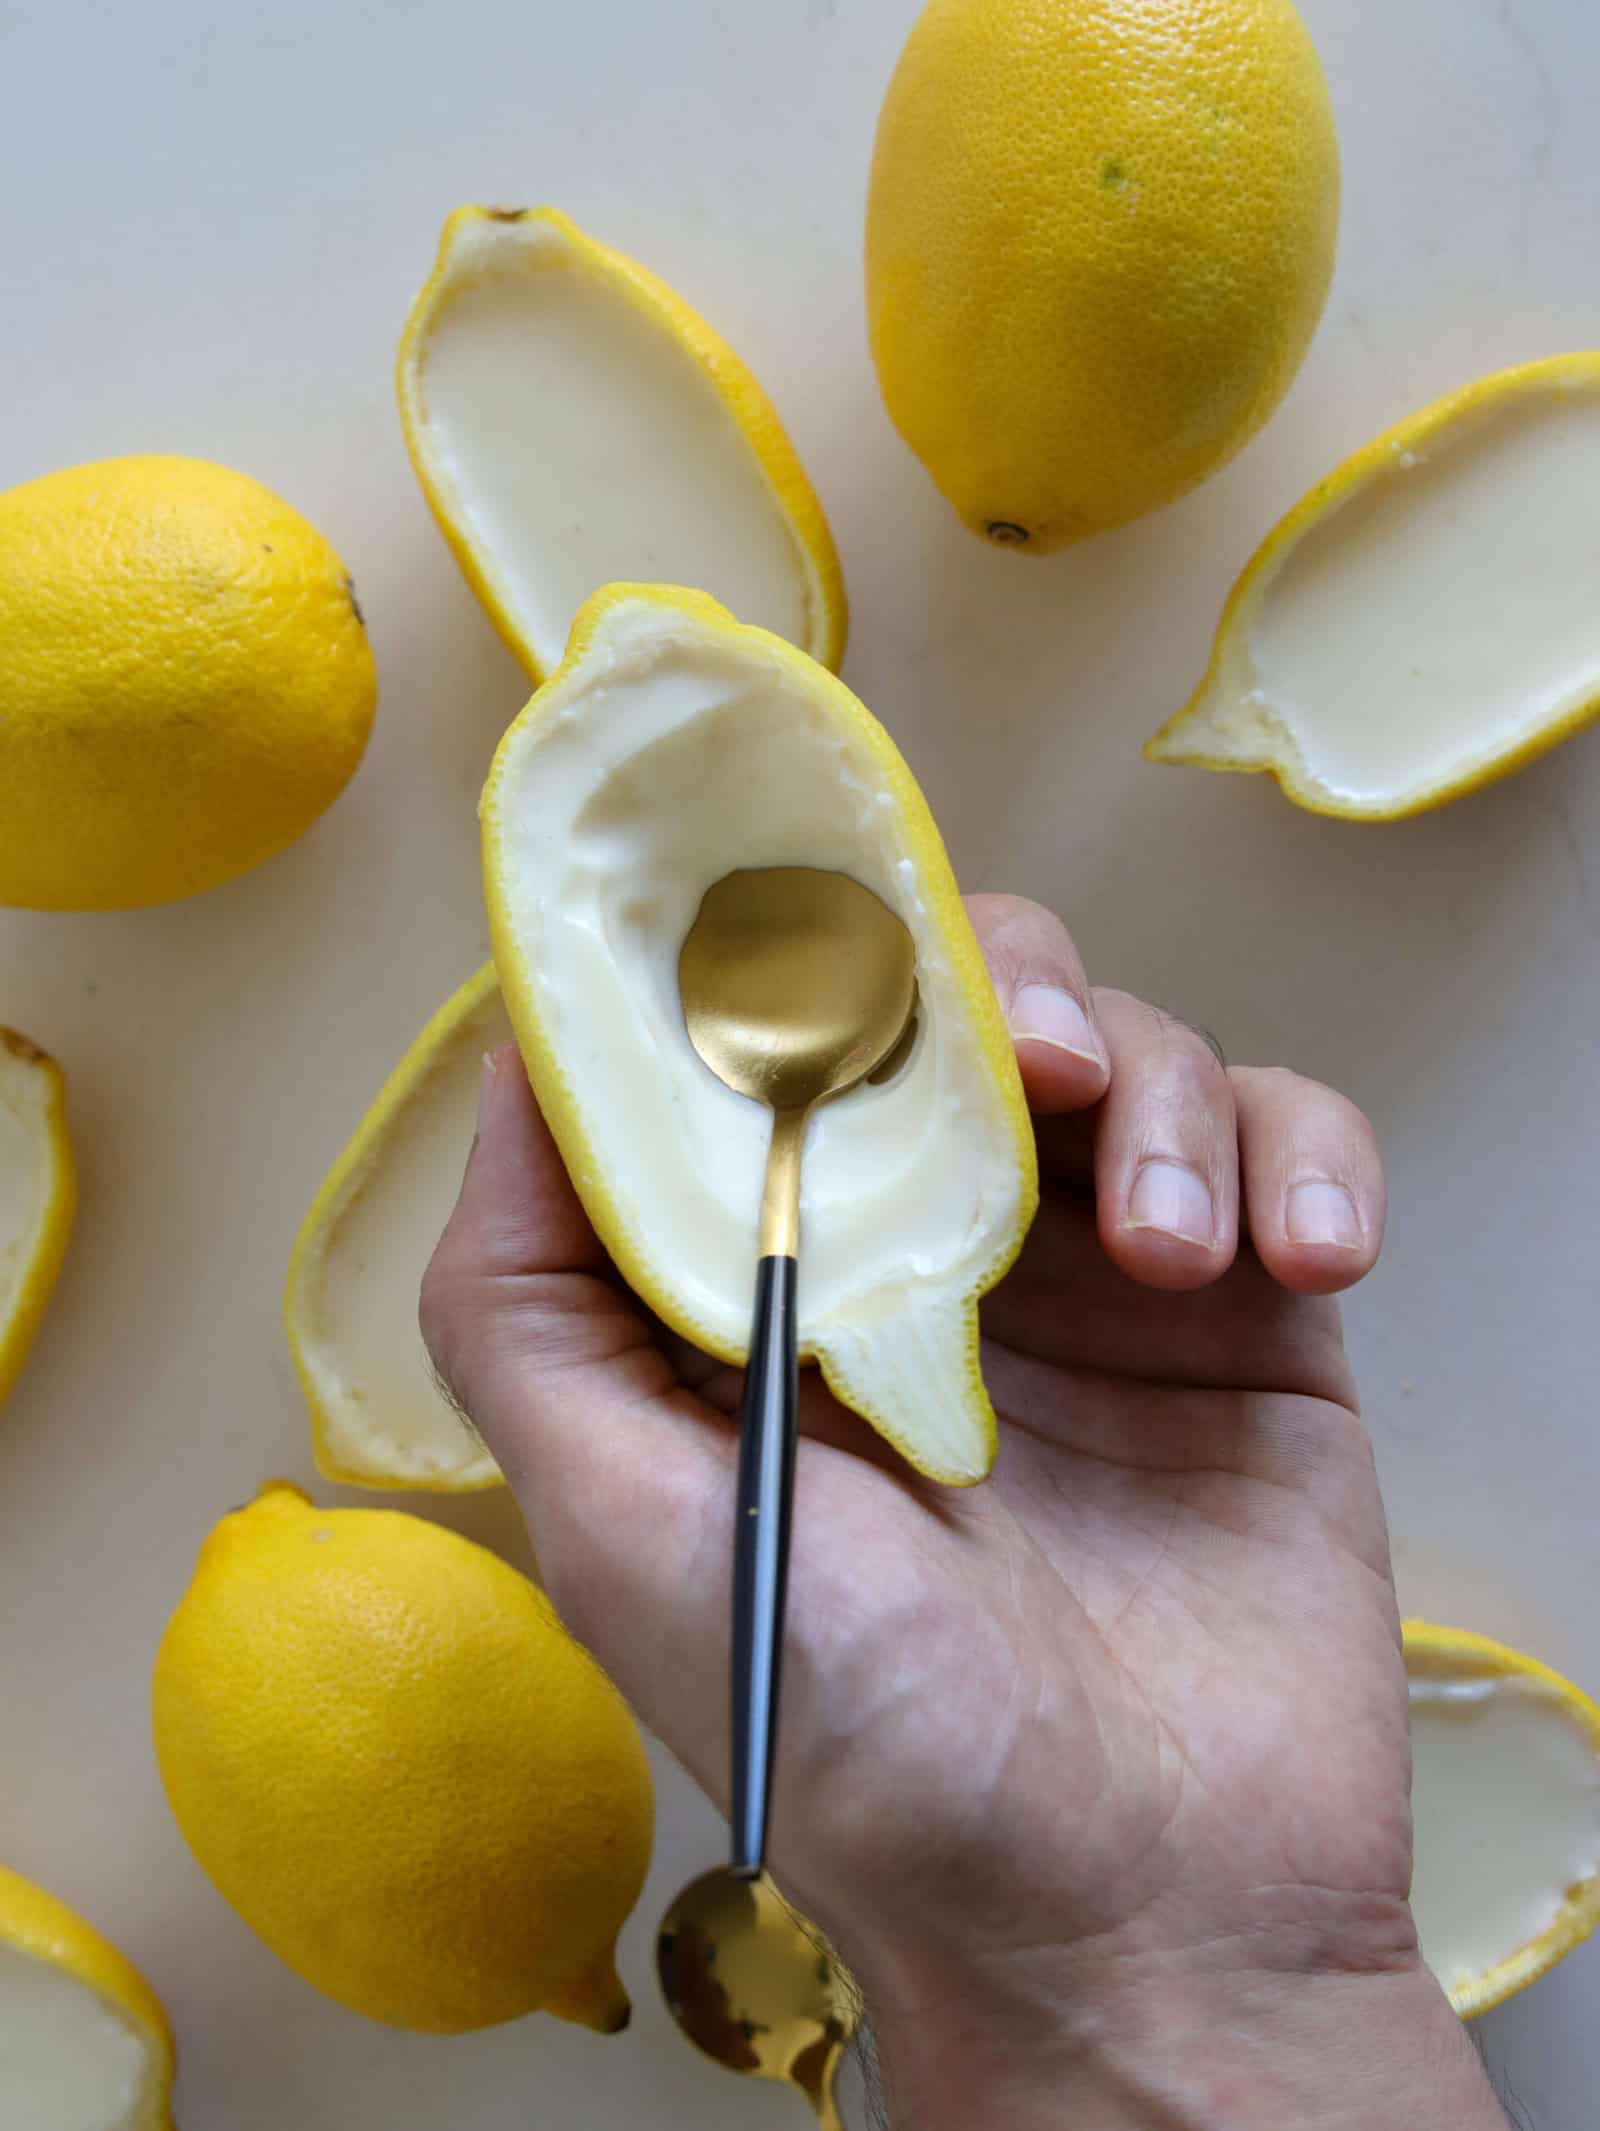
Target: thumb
(1046, 1000)
(624, 1479)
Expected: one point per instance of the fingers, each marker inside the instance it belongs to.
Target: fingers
(1174, 1131)
(1313, 1180)
(1046, 1001)
(1166, 1152)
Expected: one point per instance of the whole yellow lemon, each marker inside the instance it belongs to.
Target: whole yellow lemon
(400, 1769)
(1099, 236)
(188, 681)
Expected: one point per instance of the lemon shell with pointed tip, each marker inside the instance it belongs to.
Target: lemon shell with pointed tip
(672, 746)
(1506, 1799)
(573, 421)
(1424, 621)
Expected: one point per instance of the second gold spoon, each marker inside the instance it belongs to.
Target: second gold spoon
(796, 985)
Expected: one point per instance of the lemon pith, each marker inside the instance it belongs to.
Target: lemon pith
(572, 421)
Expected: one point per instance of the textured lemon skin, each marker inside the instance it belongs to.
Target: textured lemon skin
(37, 1924)
(562, 1105)
(188, 681)
(1577, 372)
(399, 1768)
(1099, 236)
(1439, 1652)
(743, 397)
(375, 1465)
(19, 1324)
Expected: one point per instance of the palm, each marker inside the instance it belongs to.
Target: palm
(1164, 1631)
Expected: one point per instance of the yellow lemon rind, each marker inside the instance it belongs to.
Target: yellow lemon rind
(743, 399)
(339, 1188)
(1013, 245)
(39, 1925)
(53, 1230)
(558, 1101)
(428, 1633)
(1578, 371)
(1444, 1650)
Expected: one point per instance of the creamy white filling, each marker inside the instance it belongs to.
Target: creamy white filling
(661, 765)
(376, 1379)
(68, 2060)
(1506, 1797)
(584, 445)
(1445, 613)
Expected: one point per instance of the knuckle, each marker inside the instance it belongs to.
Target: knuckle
(1189, 1056)
(1024, 942)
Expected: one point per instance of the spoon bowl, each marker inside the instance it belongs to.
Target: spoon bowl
(796, 984)
(755, 1987)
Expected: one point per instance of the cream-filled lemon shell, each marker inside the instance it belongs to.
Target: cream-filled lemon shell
(573, 422)
(1427, 619)
(1506, 1804)
(672, 747)
(379, 1418)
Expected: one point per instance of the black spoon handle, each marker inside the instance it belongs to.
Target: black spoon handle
(761, 1553)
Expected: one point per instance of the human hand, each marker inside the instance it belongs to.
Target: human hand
(1107, 1759)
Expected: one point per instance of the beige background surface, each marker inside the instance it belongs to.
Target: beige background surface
(213, 222)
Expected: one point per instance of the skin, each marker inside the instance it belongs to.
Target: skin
(1098, 1774)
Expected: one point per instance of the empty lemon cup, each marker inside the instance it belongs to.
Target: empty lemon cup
(572, 421)
(1506, 1801)
(674, 746)
(38, 1194)
(1424, 620)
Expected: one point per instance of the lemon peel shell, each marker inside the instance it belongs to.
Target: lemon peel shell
(677, 354)
(1219, 728)
(33, 1100)
(849, 1356)
(1437, 1652)
(391, 1434)
(39, 1926)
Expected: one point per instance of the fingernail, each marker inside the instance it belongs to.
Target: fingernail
(1043, 1013)
(1320, 1211)
(1174, 1198)
(486, 1085)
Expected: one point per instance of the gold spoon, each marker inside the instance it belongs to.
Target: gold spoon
(756, 1988)
(797, 985)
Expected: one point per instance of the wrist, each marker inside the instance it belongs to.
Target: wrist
(1213, 2035)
